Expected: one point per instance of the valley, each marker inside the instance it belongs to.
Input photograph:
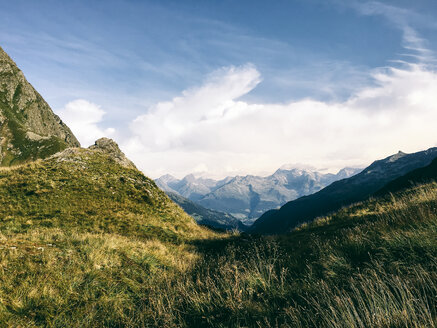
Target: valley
(247, 197)
(88, 240)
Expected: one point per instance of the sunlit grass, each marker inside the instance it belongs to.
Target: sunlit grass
(85, 247)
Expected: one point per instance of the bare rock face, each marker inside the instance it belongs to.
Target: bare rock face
(110, 147)
(28, 127)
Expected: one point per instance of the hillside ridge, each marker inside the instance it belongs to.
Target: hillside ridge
(28, 127)
(342, 193)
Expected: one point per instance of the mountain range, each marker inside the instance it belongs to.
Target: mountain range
(248, 197)
(342, 193)
(87, 240)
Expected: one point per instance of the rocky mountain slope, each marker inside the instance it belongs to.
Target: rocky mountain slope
(191, 187)
(341, 193)
(248, 197)
(28, 127)
(83, 233)
(418, 176)
(207, 217)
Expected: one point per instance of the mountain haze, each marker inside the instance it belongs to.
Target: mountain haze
(28, 127)
(342, 193)
(248, 197)
(205, 216)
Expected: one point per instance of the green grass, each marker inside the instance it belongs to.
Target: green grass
(370, 265)
(88, 243)
(83, 239)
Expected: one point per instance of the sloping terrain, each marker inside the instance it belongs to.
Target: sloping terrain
(419, 176)
(341, 193)
(28, 128)
(108, 248)
(207, 217)
(370, 265)
(82, 234)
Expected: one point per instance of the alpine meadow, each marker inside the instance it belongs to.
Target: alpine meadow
(218, 164)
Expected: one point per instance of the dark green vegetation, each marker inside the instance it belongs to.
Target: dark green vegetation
(342, 193)
(207, 217)
(89, 243)
(28, 128)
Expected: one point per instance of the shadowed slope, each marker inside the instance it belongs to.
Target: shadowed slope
(207, 217)
(373, 264)
(421, 175)
(341, 193)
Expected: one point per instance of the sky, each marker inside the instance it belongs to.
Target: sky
(223, 87)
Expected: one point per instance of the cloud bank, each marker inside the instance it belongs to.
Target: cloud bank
(210, 127)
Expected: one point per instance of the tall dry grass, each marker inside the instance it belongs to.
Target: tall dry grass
(370, 265)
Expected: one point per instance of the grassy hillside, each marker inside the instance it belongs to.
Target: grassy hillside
(86, 242)
(83, 238)
(370, 265)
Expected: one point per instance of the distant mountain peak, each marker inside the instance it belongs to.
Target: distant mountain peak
(167, 177)
(247, 197)
(396, 156)
(297, 166)
(343, 192)
(189, 178)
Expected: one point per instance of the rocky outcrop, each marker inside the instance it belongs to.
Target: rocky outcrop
(105, 146)
(110, 147)
(28, 127)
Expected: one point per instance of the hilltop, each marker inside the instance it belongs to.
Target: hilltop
(97, 190)
(83, 232)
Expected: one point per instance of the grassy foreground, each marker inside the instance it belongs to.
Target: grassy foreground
(370, 265)
(86, 243)
(82, 241)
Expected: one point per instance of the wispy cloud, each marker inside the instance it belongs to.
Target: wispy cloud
(402, 19)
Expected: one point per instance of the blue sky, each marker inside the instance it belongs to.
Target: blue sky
(118, 63)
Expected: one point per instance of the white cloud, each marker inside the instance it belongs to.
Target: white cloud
(210, 126)
(83, 118)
